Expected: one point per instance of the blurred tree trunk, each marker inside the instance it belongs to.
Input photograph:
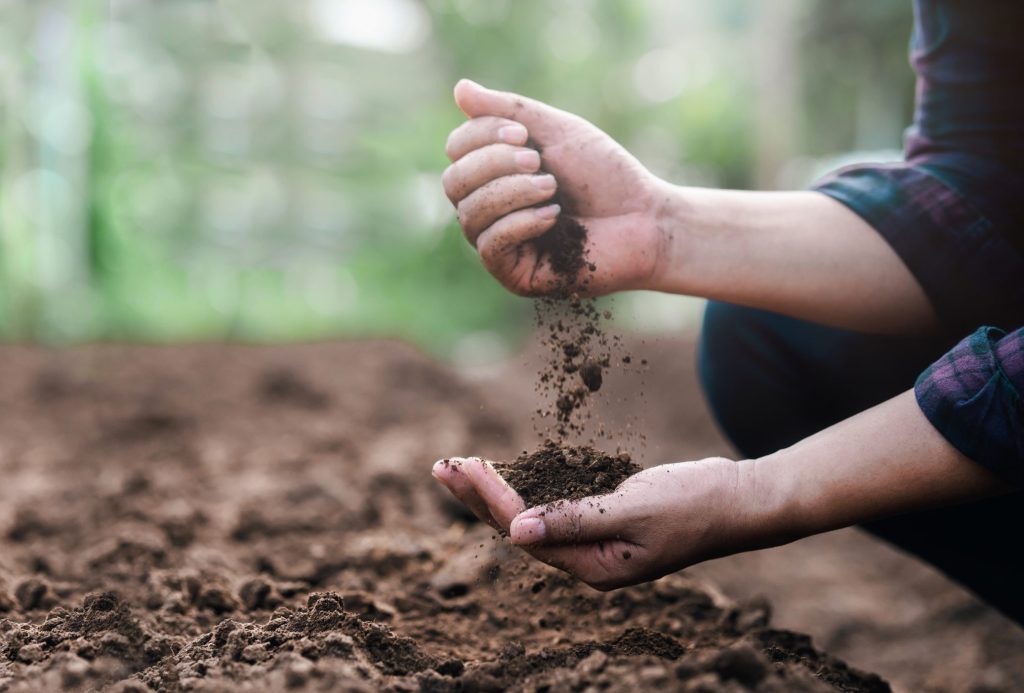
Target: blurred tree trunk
(776, 75)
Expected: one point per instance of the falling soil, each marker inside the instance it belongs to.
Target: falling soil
(554, 473)
(580, 353)
(580, 347)
(251, 541)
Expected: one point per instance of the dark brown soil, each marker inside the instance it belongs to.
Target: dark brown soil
(168, 521)
(554, 473)
(563, 247)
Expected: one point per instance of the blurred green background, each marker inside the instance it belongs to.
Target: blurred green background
(269, 170)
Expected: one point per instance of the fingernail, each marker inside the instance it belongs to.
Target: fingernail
(528, 160)
(548, 211)
(545, 182)
(528, 530)
(513, 134)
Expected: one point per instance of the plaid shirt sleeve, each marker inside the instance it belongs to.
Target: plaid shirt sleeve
(974, 396)
(969, 269)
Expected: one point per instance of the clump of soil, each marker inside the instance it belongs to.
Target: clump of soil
(564, 247)
(556, 472)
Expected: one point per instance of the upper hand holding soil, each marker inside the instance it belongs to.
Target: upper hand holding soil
(507, 195)
(658, 521)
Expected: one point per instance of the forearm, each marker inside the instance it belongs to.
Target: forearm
(801, 254)
(884, 461)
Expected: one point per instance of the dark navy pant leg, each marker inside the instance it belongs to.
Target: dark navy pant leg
(771, 381)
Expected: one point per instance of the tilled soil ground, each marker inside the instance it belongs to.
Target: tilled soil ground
(263, 518)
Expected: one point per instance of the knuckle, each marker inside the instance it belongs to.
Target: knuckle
(569, 526)
(466, 215)
(492, 252)
(449, 145)
(447, 181)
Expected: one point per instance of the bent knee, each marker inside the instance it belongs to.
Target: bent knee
(745, 368)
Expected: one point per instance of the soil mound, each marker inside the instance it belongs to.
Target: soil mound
(288, 644)
(558, 472)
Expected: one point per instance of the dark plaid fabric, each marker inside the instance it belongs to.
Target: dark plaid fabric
(954, 212)
(973, 395)
(954, 209)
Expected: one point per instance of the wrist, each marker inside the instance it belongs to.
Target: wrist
(672, 214)
(771, 503)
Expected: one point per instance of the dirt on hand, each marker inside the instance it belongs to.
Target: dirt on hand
(555, 472)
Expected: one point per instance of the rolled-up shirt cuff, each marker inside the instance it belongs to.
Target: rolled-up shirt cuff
(945, 242)
(973, 397)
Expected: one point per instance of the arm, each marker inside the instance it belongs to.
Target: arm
(802, 254)
(798, 253)
(885, 461)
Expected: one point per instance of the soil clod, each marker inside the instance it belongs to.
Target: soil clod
(556, 472)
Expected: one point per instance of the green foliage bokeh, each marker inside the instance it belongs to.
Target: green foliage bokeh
(245, 175)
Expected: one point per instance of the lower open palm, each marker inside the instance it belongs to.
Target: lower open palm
(657, 521)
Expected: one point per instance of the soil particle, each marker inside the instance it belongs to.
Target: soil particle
(557, 472)
(590, 373)
(32, 594)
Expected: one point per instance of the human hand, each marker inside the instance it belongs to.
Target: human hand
(499, 183)
(658, 521)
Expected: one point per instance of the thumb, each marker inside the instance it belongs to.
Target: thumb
(569, 522)
(475, 100)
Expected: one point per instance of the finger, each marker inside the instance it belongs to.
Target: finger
(479, 132)
(488, 203)
(476, 100)
(485, 164)
(501, 499)
(503, 238)
(589, 520)
(450, 473)
(504, 251)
